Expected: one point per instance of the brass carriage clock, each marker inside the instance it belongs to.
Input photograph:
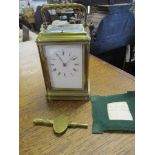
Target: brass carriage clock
(64, 55)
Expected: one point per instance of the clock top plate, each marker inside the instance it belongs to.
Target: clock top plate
(64, 33)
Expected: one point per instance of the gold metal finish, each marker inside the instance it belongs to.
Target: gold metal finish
(66, 94)
(45, 122)
(65, 38)
(77, 125)
(60, 124)
(62, 6)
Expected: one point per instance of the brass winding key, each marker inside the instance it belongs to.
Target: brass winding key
(60, 124)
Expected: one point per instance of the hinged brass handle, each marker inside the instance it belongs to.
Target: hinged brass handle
(62, 6)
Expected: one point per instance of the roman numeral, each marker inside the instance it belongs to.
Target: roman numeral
(54, 69)
(63, 53)
(76, 64)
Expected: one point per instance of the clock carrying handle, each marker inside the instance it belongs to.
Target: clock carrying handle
(62, 6)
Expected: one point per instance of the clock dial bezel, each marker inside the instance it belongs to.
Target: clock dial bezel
(51, 81)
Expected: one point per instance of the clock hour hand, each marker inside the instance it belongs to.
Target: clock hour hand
(72, 58)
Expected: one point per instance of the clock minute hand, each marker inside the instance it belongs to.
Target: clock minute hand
(60, 59)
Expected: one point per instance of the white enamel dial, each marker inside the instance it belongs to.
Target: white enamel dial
(65, 65)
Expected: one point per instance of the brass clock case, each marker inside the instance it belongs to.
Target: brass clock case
(65, 38)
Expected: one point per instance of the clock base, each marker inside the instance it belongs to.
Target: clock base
(82, 96)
